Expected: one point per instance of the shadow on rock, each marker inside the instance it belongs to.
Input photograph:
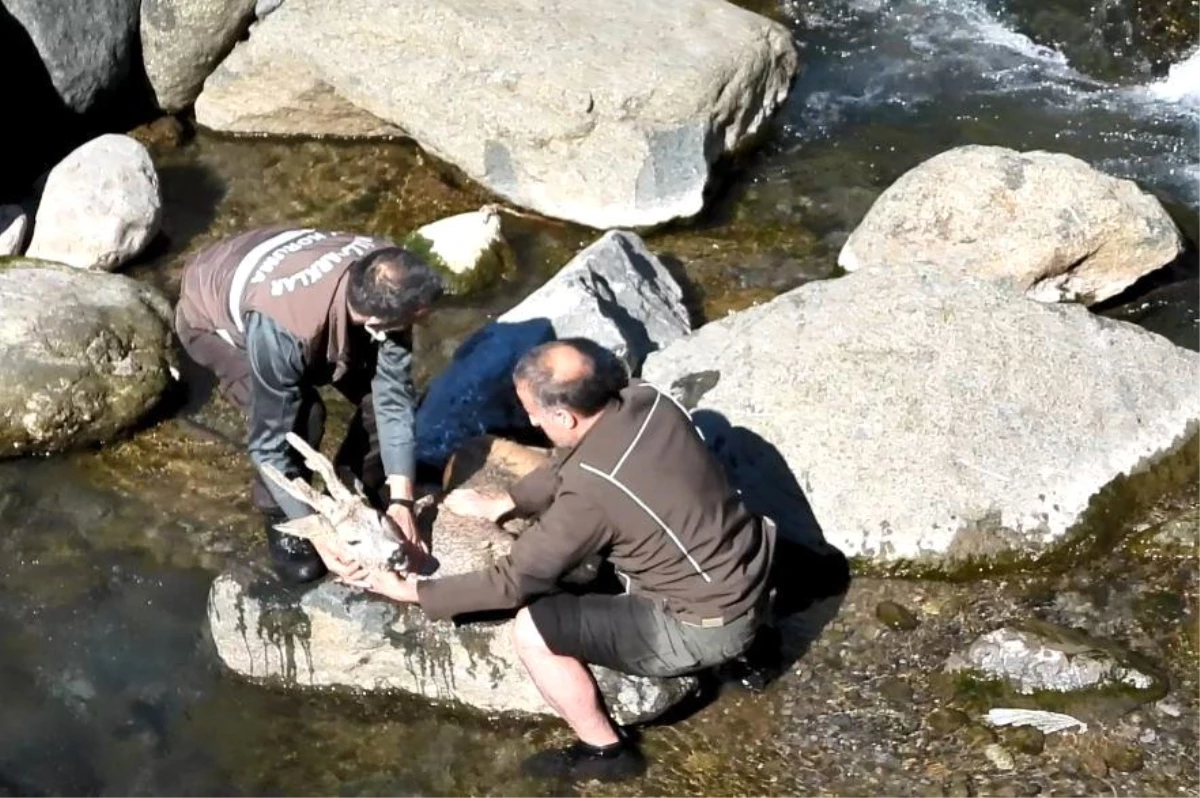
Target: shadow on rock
(40, 134)
(809, 575)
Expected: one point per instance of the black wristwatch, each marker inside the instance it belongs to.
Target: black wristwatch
(408, 504)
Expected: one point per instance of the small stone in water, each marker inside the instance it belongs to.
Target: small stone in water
(1025, 739)
(1169, 709)
(896, 690)
(1148, 736)
(979, 735)
(945, 720)
(1124, 759)
(895, 616)
(1094, 765)
(999, 756)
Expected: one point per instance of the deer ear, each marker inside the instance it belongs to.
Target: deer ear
(310, 527)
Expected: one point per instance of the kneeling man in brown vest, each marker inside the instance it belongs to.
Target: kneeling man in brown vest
(633, 482)
(276, 313)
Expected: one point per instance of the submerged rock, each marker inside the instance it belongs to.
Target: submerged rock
(334, 635)
(101, 205)
(1046, 224)
(1046, 657)
(831, 402)
(610, 115)
(84, 355)
(615, 292)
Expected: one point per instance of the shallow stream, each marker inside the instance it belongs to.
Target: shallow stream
(109, 684)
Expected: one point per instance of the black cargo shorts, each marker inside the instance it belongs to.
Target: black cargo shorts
(636, 634)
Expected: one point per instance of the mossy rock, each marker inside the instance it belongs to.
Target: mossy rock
(494, 260)
(86, 355)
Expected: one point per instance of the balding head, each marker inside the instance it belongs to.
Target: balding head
(575, 375)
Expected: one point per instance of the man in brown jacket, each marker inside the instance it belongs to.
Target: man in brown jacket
(277, 312)
(636, 484)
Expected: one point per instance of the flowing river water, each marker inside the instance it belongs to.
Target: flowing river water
(109, 684)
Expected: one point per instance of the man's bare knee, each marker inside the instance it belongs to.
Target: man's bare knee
(525, 633)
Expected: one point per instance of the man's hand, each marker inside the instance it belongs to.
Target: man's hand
(384, 583)
(403, 519)
(473, 504)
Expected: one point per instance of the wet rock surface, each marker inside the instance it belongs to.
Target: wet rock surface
(857, 384)
(333, 635)
(1046, 224)
(83, 366)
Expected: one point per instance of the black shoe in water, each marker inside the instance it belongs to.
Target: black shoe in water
(582, 762)
(761, 665)
(294, 559)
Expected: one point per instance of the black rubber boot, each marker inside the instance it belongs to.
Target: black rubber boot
(761, 665)
(582, 762)
(294, 559)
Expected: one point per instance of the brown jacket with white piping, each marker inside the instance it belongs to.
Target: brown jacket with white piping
(641, 489)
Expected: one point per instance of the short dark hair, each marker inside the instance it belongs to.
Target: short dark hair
(392, 284)
(587, 393)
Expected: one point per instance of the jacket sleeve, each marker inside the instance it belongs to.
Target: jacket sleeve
(571, 529)
(395, 400)
(276, 369)
(534, 492)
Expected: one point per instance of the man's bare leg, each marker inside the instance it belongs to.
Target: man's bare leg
(565, 683)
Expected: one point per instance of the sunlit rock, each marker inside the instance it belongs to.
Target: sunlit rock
(13, 226)
(1045, 657)
(925, 419)
(101, 205)
(1042, 223)
(611, 115)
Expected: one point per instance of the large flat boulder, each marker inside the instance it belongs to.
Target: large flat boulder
(333, 635)
(615, 292)
(183, 40)
(84, 355)
(1043, 223)
(920, 417)
(609, 114)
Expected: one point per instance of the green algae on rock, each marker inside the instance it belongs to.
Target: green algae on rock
(82, 367)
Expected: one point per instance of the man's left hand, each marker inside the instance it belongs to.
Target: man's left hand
(383, 582)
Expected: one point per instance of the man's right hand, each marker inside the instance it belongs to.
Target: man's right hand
(474, 504)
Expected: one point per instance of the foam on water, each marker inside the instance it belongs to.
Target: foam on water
(1182, 83)
(945, 65)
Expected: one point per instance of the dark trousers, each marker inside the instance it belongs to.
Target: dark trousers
(357, 457)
